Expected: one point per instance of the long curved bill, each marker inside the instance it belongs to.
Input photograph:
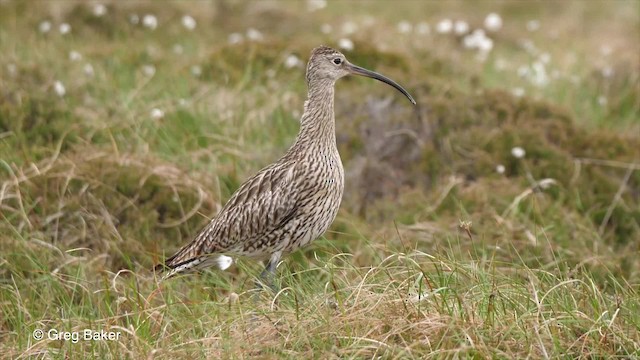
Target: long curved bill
(357, 70)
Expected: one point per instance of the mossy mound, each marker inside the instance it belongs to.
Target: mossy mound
(127, 207)
(468, 136)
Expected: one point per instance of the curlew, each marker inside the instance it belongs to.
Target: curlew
(291, 202)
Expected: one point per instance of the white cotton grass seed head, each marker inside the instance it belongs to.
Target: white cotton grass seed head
(607, 72)
(292, 61)
(177, 49)
(254, 35)
(45, 26)
(150, 21)
(500, 169)
(493, 22)
(345, 44)
(533, 25)
(235, 38)
(606, 50)
(518, 152)
(156, 114)
(404, 27)
(545, 58)
(134, 19)
(149, 70)
(196, 70)
(64, 28)
(423, 28)
(326, 28)
(75, 56)
(59, 89)
(12, 69)
(444, 26)
(314, 5)
(602, 101)
(99, 10)
(87, 69)
(460, 27)
(349, 28)
(517, 92)
(189, 22)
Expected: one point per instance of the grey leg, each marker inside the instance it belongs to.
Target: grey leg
(268, 275)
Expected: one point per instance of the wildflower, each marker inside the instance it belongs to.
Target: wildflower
(235, 38)
(188, 22)
(134, 19)
(12, 69)
(485, 45)
(460, 27)
(501, 64)
(478, 40)
(157, 114)
(64, 28)
(74, 55)
(533, 25)
(518, 92)
(423, 28)
(150, 21)
(523, 71)
(99, 10)
(59, 89)
(88, 69)
(254, 35)
(493, 22)
(545, 58)
(349, 27)
(196, 70)
(540, 77)
(292, 61)
(326, 28)
(404, 27)
(444, 26)
(313, 5)
(44, 27)
(529, 46)
(149, 70)
(518, 152)
(345, 44)
(602, 101)
(500, 169)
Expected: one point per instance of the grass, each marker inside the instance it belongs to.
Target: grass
(434, 253)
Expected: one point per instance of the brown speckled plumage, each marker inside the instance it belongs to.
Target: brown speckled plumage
(291, 202)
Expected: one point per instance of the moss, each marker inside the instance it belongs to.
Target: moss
(36, 122)
(469, 135)
(120, 206)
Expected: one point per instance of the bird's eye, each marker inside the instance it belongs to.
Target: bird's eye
(337, 61)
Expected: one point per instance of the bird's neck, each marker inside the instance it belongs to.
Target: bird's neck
(318, 126)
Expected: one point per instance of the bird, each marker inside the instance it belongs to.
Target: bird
(291, 202)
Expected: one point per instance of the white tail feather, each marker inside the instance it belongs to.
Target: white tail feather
(222, 262)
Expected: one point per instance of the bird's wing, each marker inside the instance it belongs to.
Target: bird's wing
(260, 206)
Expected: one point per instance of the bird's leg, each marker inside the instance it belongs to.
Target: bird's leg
(268, 275)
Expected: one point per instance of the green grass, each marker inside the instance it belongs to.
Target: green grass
(434, 253)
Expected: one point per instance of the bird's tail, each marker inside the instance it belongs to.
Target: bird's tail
(175, 265)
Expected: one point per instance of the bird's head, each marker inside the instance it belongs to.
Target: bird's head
(330, 64)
